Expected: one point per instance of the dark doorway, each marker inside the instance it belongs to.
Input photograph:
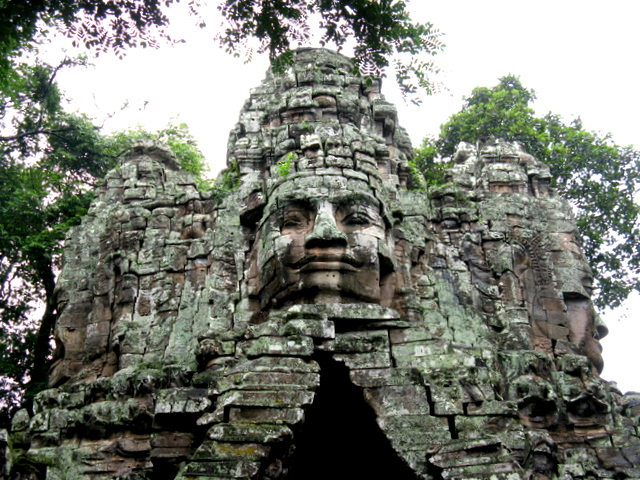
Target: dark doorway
(340, 439)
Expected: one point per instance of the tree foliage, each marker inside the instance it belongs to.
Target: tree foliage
(598, 177)
(380, 30)
(47, 159)
(100, 25)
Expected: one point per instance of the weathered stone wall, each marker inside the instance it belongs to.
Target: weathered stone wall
(327, 319)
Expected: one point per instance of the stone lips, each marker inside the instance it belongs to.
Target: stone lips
(480, 360)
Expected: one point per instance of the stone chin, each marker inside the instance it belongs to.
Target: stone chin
(325, 284)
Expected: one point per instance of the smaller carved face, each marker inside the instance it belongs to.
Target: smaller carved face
(585, 327)
(584, 332)
(331, 249)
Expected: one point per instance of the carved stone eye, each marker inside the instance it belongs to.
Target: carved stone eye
(357, 215)
(357, 218)
(295, 218)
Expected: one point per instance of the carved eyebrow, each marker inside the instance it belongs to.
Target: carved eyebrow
(279, 203)
(294, 219)
(295, 207)
(301, 203)
(360, 214)
(356, 198)
(354, 208)
(276, 211)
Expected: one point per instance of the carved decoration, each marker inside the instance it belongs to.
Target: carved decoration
(325, 319)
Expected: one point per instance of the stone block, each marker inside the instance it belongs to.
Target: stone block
(479, 426)
(364, 360)
(289, 416)
(41, 440)
(134, 445)
(320, 329)
(268, 380)
(170, 439)
(222, 469)
(394, 400)
(181, 401)
(279, 346)
(475, 456)
(265, 398)
(492, 407)
(496, 471)
(361, 342)
(379, 377)
(419, 433)
(276, 364)
(426, 357)
(614, 458)
(249, 432)
(214, 450)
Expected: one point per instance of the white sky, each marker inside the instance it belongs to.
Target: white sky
(580, 57)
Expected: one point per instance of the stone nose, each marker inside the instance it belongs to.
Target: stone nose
(325, 233)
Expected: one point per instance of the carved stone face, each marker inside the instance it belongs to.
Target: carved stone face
(585, 328)
(332, 248)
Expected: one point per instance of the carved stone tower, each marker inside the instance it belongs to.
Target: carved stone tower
(326, 316)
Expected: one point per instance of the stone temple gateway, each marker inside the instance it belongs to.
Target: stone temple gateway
(329, 317)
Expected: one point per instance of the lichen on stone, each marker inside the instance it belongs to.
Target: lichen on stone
(322, 320)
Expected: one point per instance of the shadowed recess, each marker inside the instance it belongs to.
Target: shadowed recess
(340, 439)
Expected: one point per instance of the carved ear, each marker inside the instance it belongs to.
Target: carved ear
(253, 283)
(601, 329)
(387, 266)
(388, 285)
(386, 255)
(252, 210)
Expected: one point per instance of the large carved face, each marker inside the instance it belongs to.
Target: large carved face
(321, 245)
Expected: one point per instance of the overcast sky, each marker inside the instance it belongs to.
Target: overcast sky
(580, 57)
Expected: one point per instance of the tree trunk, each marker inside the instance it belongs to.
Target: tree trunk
(42, 342)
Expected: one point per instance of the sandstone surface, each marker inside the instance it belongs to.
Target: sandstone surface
(331, 317)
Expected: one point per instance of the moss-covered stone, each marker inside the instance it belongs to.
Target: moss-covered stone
(314, 297)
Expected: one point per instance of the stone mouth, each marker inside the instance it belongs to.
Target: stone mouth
(328, 266)
(328, 261)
